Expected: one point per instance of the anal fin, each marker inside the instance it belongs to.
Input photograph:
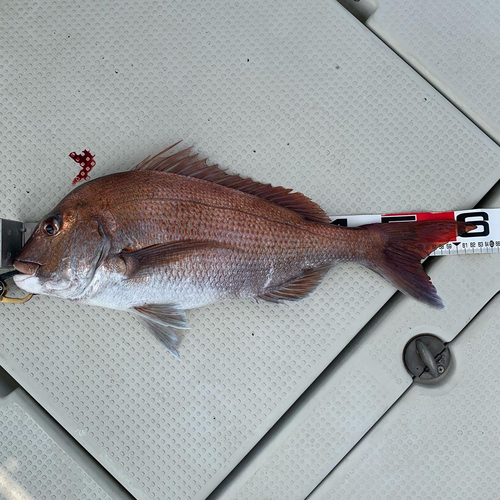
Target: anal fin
(297, 288)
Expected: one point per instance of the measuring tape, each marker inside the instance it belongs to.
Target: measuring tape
(484, 239)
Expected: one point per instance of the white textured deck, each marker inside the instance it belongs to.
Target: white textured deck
(455, 44)
(38, 462)
(436, 442)
(294, 93)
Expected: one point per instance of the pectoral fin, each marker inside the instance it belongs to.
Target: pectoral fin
(142, 262)
(162, 320)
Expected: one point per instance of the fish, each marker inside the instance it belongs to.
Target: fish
(176, 233)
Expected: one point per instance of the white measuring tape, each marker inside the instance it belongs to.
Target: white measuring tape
(484, 239)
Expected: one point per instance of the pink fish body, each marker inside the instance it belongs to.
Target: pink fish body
(175, 234)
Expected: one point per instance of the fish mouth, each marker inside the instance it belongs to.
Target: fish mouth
(26, 267)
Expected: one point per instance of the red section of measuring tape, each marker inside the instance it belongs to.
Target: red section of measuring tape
(86, 161)
(423, 216)
(427, 215)
(436, 216)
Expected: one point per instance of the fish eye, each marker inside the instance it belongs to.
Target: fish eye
(51, 226)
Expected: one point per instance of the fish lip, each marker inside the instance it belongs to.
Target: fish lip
(26, 267)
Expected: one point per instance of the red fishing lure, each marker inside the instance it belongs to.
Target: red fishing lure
(86, 161)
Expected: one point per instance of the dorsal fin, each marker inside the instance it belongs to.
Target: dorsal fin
(190, 165)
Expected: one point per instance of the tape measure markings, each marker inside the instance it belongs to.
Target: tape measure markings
(484, 239)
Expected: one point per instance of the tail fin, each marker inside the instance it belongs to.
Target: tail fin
(399, 249)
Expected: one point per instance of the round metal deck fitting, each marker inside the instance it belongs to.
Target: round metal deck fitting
(427, 358)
